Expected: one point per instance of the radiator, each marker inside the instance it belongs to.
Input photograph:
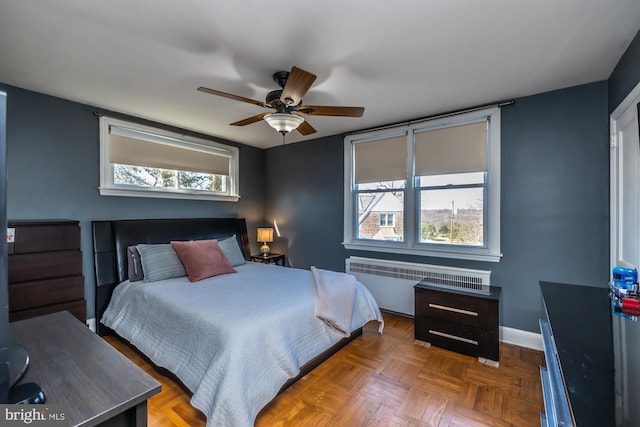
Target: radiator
(392, 282)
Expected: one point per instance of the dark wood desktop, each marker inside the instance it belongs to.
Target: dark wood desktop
(76, 368)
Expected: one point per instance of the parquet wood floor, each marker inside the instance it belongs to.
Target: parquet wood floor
(384, 380)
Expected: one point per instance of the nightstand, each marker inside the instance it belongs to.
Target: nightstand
(268, 258)
(458, 320)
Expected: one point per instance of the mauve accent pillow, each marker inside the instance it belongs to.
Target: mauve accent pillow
(202, 259)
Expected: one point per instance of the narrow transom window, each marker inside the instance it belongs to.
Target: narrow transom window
(142, 161)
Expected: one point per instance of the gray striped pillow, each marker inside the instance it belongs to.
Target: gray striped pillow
(232, 251)
(160, 262)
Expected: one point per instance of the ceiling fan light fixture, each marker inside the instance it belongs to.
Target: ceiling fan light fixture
(284, 122)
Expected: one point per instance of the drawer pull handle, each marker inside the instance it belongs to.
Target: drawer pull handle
(455, 310)
(453, 337)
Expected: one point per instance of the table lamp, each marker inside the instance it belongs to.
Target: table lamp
(265, 235)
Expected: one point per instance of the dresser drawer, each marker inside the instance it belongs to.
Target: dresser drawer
(457, 308)
(77, 308)
(44, 265)
(27, 295)
(44, 237)
(462, 338)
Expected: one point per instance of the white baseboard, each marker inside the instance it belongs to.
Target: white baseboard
(521, 338)
(91, 323)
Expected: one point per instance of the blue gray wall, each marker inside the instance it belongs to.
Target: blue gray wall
(555, 200)
(53, 173)
(304, 183)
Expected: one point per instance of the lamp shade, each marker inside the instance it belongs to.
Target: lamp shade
(283, 122)
(265, 234)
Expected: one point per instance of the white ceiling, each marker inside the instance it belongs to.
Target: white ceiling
(399, 59)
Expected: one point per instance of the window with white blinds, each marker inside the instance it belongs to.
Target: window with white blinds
(438, 179)
(454, 149)
(382, 159)
(141, 161)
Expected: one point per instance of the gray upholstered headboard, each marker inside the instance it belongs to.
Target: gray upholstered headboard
(111, 239)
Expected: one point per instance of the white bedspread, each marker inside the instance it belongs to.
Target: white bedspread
(233, 340)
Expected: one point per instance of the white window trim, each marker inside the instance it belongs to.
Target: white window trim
(489, 253)
(107, 188)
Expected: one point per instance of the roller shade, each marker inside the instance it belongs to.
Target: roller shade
(457, 149)
(127, 147)
(381, 160)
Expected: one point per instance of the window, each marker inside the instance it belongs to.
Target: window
(380, 188)
(387, 220)
(430, 188)
(141, 161)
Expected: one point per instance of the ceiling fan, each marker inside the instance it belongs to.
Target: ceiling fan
(287, 103)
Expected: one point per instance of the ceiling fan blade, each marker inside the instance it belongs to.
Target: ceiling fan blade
(232, 96)
(325, 110)
(305, 128)
(250, 120)
(297, 85)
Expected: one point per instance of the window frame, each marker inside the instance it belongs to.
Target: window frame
(411, 218)
(109, 188)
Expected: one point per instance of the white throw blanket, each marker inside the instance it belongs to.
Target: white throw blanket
(335, 294)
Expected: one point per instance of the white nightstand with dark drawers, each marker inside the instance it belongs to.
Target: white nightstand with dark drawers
(459, 320)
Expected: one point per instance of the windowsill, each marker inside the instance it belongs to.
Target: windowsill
(469, 255)
(166, 195)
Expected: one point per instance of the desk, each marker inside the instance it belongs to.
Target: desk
(76, 368)
(579, 319)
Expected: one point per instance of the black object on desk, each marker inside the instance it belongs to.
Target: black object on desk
(27, 394)
(18, 362)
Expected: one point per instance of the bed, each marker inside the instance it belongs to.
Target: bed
(234, 340)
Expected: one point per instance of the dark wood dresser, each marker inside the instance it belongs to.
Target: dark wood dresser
(578, 381)
(45, 269)
(462, 321)
(94, 384)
